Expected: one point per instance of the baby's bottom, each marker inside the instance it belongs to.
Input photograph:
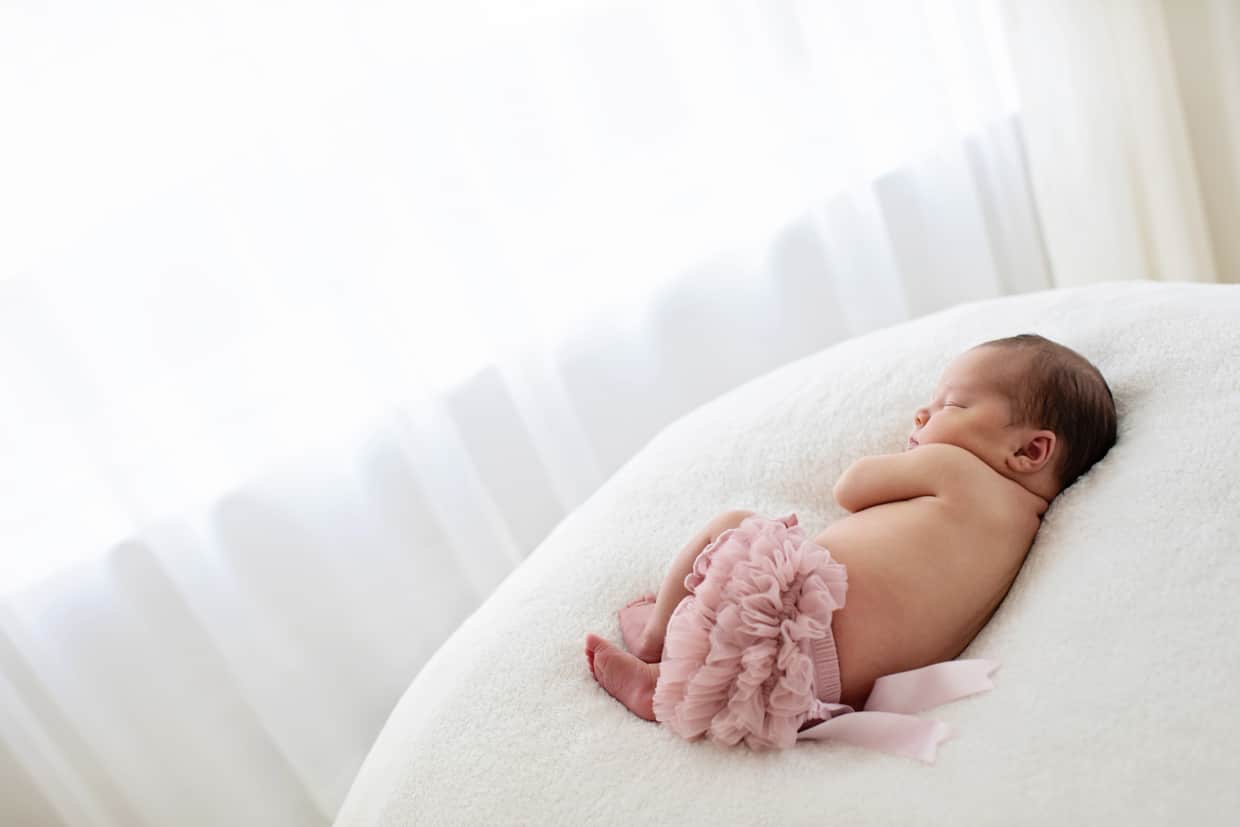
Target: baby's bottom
(751, 652)
(645, 639)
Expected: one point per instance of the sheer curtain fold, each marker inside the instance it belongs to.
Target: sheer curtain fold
(1130, 113)
(315, 321)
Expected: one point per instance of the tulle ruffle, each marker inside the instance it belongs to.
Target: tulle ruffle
(738, 655)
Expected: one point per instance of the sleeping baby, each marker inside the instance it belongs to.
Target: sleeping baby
(750, 637)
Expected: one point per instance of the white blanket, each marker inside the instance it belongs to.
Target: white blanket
(1116, 698)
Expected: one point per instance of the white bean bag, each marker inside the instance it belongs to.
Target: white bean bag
(1116, 698)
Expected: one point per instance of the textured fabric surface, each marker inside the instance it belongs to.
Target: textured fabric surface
(738, 660)
(1115, 700)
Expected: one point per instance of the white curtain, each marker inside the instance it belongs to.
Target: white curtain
(1131, 111)
(315, 318)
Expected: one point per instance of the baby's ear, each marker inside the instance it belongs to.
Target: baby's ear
(1036, 452)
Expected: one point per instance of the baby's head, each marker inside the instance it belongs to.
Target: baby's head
(1035, 411)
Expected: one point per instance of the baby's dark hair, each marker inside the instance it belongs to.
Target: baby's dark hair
(1063, 392)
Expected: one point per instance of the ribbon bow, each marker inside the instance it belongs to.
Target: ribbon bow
(886, 723)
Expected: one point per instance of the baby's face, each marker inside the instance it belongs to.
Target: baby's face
(968, 409)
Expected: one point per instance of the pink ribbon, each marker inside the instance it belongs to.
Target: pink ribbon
(887, 724)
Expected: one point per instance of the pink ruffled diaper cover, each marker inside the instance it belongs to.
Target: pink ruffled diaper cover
(749, 655)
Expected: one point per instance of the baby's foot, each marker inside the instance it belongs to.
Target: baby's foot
(625, 678)
(633, 619)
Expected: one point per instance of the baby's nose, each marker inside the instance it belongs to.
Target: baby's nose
(920, 417)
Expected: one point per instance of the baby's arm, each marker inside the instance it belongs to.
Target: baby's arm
(885, 478)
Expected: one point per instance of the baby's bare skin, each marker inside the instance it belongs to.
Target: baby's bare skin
(938, 532)
(925, 574)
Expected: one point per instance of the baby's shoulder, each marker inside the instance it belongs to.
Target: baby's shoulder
(965, 475)
(980, 492)
(951, 457)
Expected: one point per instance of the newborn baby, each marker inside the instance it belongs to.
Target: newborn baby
(750, 636)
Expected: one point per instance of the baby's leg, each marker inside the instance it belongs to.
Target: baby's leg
(649, 645)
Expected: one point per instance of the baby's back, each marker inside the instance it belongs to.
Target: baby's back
(925, 574)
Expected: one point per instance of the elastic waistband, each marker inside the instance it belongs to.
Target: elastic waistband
(826, 668)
